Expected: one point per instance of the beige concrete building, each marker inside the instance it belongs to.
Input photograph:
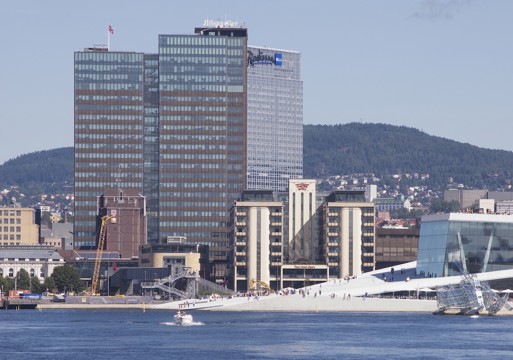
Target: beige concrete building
(18, 227)
(176, 255)
(256, 233)
(348, 233)
(302, 220)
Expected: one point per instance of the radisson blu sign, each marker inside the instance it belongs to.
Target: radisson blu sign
(262, 58)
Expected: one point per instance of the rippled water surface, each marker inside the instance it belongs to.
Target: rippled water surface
(137, 334)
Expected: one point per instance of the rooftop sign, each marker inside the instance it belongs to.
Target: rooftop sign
(221, 24)
(262, 58)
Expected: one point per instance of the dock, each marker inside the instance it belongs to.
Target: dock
(19, 303)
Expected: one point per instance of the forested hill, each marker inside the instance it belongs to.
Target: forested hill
(39, 172)
(386, 149)
(328, 150)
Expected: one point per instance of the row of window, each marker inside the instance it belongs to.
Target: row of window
(11, 212)
(109, 126)
(209, 156)
(114, 57)
(107, 174)
(201, 87)
(11, 229)
(193, 213)
(113, 117)
(11, 221)
(193, 204)
(108, 107)
(87, 85)
(32, 273)
(171, 194)
(194, 120)
(82, 76)
(191, 147)
(195, 40)
(131, 147)
(118, 137)
(194, 108)
(103, 185)
(16, 237)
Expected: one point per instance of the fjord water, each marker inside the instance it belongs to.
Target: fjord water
(137, 334)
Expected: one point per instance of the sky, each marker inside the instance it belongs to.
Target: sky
(441, 66)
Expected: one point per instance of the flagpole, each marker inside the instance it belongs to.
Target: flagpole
(108, 38)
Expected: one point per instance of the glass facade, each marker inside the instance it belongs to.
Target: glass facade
(202, 90)
(480, 242)
(173, 126)
(108, 129)
(275, 118)
(151, 144)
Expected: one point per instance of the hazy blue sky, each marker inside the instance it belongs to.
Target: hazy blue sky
(444, 67)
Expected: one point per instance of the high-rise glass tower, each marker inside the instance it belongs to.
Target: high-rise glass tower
(109, 132)
(171, 126)
(202, 134)
(275, 118)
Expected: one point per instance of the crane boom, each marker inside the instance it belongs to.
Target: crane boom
(99, 252)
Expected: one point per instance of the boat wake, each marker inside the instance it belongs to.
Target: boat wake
(172, 323)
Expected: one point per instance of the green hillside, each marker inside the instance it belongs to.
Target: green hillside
(39, 172)
(385, 149)
(328, 150)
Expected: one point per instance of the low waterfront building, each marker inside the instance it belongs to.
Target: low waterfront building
(38, 260)
(302, 275)
(176, 254)
(479, 242)
(396, 245)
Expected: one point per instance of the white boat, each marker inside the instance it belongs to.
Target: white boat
(182, 318)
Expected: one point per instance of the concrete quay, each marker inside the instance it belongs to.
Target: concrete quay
(379, 291)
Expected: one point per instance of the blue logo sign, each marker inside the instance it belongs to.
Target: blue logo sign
(277, 59)
(260, 58)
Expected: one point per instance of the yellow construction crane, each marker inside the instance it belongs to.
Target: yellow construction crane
(99, 252)
(258, 285)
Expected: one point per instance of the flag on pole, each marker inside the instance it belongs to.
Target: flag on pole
(111, 30)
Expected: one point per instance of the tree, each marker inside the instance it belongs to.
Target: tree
(67, 278)
(23, 279)
(35, 285)
(439, 205)
(48, 284)
(6, 284)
